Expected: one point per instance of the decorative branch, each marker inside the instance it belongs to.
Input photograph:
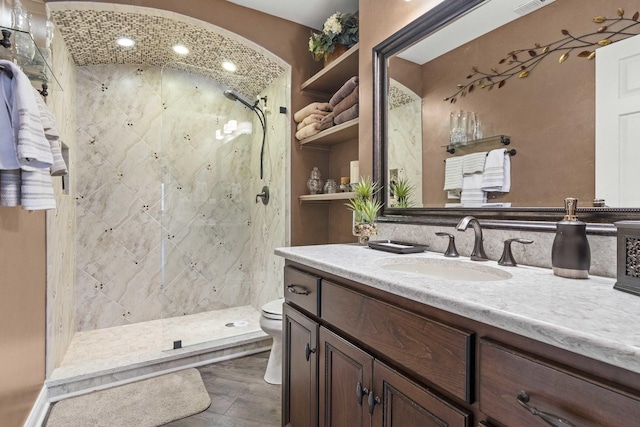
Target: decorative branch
(522, 67)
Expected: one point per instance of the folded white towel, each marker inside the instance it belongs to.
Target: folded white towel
(472, 194)
(497, 171)
(453, 176)
(474, 162)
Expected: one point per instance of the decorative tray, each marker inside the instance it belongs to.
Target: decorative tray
(397, 247)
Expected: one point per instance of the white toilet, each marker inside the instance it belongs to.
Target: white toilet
(271, 323)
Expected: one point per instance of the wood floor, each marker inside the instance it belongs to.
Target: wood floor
(239, 396)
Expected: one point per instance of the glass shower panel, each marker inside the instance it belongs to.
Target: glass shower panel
(207, 143)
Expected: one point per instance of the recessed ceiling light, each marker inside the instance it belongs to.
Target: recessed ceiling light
(229, 66)
(125, 42)
(180, 49)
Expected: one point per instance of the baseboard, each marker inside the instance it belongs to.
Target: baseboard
(39, 410)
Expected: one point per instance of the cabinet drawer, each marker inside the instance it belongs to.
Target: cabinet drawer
(302, 289)
(438, 353)
(504, 373)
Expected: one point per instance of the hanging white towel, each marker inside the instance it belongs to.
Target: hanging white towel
(453, 177)
(10, 187)
(32, 147)
(59, 166)
(497, 171)
(472, 194)
(36, 190)
(473, 163)
(8, 156)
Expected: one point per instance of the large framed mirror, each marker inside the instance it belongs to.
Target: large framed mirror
(546, 115)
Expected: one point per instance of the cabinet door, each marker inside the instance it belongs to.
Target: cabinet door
(300, 370)
(345, 379)
(402, 403)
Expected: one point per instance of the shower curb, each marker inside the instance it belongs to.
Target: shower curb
(170, 361)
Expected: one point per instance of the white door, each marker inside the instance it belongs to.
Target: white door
(618, 123)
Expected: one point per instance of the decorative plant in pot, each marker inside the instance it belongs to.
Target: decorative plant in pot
(365, 209)
(402, 191)
(339, 33)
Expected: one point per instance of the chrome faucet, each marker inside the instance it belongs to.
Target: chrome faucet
(478, 253)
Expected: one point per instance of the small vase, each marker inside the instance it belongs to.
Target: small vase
(314, 184)
(338, 50)
(364, 232)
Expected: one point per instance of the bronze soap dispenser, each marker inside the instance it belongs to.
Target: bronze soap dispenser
(570, 254)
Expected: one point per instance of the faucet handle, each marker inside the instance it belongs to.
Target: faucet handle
(507, 257)
(451, 251)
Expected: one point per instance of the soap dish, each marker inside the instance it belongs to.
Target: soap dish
(397, 247)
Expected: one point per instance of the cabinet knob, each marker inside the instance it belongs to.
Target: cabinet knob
(307, 351)
(361, 392)
(373, 401)
(298, 290)
(552, 420)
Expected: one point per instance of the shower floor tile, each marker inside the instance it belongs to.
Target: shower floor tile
(108, 349)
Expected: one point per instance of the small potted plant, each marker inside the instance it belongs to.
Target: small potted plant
(365, 209)
(339, 33)
(402, 191)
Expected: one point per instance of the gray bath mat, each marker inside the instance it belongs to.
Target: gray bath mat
(146, 403)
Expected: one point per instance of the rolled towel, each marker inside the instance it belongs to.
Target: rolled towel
(345, 90)
(349, 101)
(328, 120)
(345, 116)
(312, 118)
(311, 130)
(313, 108)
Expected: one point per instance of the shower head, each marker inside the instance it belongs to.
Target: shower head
(236, 97)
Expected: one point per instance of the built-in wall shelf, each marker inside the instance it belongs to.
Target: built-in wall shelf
(325, 198)
(37, 69)
(335, 134)
(333, 76)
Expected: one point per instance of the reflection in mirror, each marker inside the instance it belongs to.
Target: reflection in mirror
(548, 113)
(405, 145)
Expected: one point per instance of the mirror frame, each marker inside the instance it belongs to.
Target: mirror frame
(599, 220)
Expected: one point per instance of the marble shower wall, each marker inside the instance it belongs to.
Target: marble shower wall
(139, 126)
(61, 224)
(270, 224)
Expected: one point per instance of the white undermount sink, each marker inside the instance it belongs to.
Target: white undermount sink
(447, 269)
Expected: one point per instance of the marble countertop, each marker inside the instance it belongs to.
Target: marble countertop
(586, 316)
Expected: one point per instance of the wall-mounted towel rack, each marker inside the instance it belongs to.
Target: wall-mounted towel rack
(503, 139)
(511, 152)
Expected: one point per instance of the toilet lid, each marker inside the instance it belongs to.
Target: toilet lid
(273, 308)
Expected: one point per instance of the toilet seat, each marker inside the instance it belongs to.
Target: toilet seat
(273, 309)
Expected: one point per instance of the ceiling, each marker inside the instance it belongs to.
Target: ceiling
(311, 13)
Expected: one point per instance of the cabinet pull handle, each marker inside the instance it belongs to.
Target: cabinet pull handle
(308, 350)
(552, 420)
(373, 401)
(361, 392)
(298, 290)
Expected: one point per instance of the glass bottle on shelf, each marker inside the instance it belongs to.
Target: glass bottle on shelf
(330, 186)
(23, 46)
(314, 184)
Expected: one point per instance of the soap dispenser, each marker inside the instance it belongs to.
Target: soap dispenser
(570, 254)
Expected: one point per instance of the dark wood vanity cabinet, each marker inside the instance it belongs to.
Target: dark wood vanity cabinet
(362, 357)
(300, 369)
